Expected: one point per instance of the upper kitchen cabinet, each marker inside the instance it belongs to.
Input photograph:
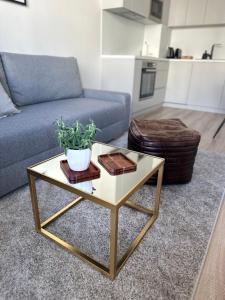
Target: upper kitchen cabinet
(178, 13)
(196, 12)
(141, 7)
(215, 12)
(143, 11)
(131, 9)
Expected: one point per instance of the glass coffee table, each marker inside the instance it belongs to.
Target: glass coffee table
(111, 192)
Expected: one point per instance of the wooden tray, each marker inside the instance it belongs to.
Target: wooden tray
(117, 163)
(93, 172)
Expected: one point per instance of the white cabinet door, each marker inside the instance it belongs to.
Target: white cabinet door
(207, 83)
(141, 7)
(178, 82)
(161, 79)
(215, 12)
(111, 4)
(222, 101)
(178, 13)
(196, 12)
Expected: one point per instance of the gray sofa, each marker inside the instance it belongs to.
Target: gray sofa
(44, 89)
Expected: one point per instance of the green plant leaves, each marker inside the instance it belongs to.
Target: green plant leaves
(77, 137)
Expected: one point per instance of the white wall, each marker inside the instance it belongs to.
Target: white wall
(165, 41)
(152, 35)
(55, 27)
(194, 41)
(158, 38)
(121, 36)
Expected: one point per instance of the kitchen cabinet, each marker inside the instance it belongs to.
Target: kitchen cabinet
(215, 12)
(161, 75)
(196, 12)
(161, 79)
(166, 11)
(207, 84)
(127, 7)
(141, 7)
(178, 13)
(160, 86)
(112, 4)
(222, 102)
(178, 82)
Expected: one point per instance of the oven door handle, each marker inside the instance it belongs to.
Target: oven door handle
(148, 70)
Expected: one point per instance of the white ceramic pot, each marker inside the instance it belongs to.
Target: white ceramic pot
(78, 160)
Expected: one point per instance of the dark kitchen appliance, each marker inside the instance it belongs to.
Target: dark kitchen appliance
(148, 77)
(156, 10)
(178, 53)
(170, 52)
(205, 55)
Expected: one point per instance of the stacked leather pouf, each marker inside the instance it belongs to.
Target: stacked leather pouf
(169, 139)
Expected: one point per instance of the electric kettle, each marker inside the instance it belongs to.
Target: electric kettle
(170, 52)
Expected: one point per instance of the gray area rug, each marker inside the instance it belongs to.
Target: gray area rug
(164, 266)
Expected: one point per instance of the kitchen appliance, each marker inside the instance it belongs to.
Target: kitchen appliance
(170, 52)
(205, 55)
(148, 77)
(156, 10)
(178, 53)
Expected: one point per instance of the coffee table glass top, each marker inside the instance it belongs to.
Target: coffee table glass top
(108, 188)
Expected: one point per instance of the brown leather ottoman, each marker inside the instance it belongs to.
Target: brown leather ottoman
(169, 139)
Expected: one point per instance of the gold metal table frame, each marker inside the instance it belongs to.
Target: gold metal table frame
(114, 266)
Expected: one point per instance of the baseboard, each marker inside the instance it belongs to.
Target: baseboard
(194, 107)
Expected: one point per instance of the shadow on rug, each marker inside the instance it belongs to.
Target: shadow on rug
(164, 266)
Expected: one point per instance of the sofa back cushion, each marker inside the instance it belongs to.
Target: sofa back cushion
(37, 78)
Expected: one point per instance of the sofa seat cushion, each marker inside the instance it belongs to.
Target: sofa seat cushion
(38, 78)
(33, 130)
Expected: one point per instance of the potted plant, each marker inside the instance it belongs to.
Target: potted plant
(76, 142)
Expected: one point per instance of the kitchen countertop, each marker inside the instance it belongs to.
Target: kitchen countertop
(199, 60)
(134, 57)
(151, 58)
(118, 56)
(163, 59)
(181, 60)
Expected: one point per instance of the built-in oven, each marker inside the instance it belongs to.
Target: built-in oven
(156, 10)
(148, 77)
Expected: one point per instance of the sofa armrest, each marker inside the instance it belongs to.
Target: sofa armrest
(122, 98)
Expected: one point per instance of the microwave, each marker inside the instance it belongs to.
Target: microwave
(156, 10)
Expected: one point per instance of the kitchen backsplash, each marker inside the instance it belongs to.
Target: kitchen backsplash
(121, 36)
(194, 41)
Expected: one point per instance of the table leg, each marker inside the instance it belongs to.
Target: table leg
(219, 128)
(113, 243)
(158, 190)
(34, 202)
